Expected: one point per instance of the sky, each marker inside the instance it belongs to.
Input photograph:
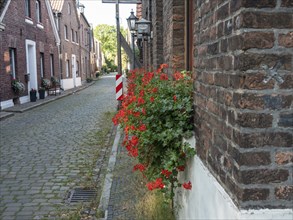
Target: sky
(97, 12)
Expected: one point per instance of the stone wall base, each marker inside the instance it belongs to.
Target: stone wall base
(208, 200)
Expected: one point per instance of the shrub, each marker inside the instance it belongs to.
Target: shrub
(156, 114)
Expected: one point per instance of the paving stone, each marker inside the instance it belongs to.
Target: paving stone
(40, 148)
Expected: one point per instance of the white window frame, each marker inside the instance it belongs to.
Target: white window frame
(38, 11)
(68, 8)
(65, 32)
(67, 66)
(51, 64)
(28, 9)
(72, 35)
(12, 61)
(42, 58)
(76, 37)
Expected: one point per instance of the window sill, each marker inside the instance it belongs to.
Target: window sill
(28, 21)
(40, 26)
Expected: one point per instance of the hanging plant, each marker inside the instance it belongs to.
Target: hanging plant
(17, 86)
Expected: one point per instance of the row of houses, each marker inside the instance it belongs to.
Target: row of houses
(241, 57)
(40, 39)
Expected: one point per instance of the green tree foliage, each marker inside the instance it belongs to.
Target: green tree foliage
(107, 35)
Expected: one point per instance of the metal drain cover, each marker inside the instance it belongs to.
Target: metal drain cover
(81, 195)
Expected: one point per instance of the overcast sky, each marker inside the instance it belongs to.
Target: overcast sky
(97, 12)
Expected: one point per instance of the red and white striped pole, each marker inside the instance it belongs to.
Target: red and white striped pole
(119, 87)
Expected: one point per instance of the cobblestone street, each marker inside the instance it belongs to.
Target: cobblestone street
(43, 150)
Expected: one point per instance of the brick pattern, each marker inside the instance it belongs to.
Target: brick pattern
(167, 45)
(244, 126)
(15, 33)
(157, 20)
(69, 48)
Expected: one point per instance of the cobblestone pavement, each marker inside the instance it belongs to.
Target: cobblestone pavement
(43, 150)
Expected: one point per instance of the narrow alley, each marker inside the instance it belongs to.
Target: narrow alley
(43, 150)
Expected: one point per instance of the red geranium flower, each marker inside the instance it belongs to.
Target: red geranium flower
(187, 185)
(164, 76)
(181, 168)
(174, 98)
(178, 76)
(142, 127)
(139, 166)
(166, 173)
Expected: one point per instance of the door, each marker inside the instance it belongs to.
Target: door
(73, 64)
(31, 64)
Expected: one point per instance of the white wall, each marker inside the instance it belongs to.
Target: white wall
(208, 200)
(67, 83)
(78, 81)
(6, 104)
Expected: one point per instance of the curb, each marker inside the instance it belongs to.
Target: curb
(4, 115)
(105, 196)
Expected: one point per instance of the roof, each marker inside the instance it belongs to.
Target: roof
(57, 5)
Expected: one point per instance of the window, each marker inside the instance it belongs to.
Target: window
(76, 37)
(12, 55)
(72, 35)
(27, 8)
(51, 64)
(68, 8)
(42, 64)
(65, 32)
(82, 40)
(85, 36)
(38, 11)
(67, 68)
(57, 22)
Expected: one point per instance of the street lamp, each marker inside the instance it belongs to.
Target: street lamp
(131, 21)
(143, 27)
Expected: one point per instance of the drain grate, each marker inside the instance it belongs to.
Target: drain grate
(81, 195)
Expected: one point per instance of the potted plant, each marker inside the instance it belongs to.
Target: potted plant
(17, 86)
(33, 95)
(54, 81)
(42, 92)
(46, 83)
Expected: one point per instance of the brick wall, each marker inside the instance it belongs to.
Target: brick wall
(244, 126)
(15, 33)
(167, 45)
(157, 21)
(68, 48)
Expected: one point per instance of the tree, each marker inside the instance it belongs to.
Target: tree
(107, 35)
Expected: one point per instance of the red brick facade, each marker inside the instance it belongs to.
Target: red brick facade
(18, 29)
(68, 19)
(243, 125)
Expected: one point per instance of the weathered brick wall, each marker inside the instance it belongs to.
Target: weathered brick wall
(244, 126)
(68, 48)
(173, 32)
(15, 33)
(157, 22)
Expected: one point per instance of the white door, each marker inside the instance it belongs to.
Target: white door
(73, 64)
(31, 64)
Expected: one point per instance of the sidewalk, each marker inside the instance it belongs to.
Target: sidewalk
(9, 112)
(123, 189)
